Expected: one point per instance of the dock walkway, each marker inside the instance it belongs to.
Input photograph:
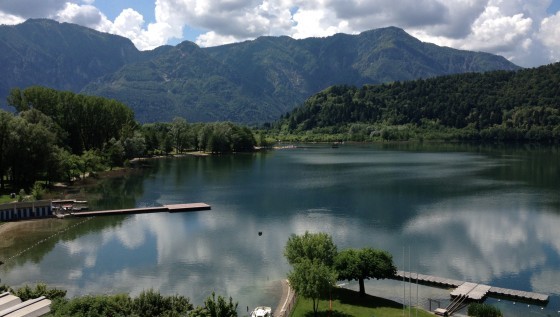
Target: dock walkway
(164, 208)
(472, 291)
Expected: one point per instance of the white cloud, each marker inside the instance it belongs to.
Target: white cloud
(86, 15)
(213, 39)
(550, 35)
(494, 31)
(9, 19)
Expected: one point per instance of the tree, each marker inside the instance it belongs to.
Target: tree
(26, 292)
(179, 134)
(311, 246)
(134, 146)
(92, 162)
(114, 153)
(366, 263)
(216, 308)
(151, 303)
(312, 279)
(5, 140)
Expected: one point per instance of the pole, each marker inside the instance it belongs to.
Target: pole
(409, 285)
(403, 283)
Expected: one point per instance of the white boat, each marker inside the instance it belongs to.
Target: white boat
(262, 311)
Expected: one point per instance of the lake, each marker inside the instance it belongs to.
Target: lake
(486, 214)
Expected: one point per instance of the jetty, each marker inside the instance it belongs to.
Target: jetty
(469, 290)
(143, 210)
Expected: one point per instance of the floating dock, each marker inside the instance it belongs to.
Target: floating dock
(143, 210)
(471, 291)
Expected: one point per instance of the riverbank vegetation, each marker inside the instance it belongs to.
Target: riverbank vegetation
(148, 303)
(57, 136)
(505, 106)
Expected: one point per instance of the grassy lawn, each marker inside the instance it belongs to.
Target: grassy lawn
(348, 303)
(5, 199)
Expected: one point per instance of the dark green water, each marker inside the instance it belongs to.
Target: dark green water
(475, 213)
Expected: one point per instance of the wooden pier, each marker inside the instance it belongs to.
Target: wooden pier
(471, 291)
(164, 208)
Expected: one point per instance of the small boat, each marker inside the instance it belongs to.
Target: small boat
(262, 311)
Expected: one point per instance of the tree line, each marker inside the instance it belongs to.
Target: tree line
(149, 303)
(61, 136)
(519, 105)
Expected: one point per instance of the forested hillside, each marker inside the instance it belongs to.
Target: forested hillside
(519, 105)
(248, 82)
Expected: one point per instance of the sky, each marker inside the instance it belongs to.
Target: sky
(527, 32)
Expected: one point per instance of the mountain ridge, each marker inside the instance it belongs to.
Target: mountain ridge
(250, 82)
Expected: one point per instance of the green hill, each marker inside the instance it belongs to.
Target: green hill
(521, 105)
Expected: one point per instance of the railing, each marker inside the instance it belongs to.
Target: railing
(289, 306)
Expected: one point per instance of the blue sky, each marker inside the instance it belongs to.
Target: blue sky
(525, 32)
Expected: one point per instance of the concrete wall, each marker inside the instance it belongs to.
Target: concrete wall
(26, 210)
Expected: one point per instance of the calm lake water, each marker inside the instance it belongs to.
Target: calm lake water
(475, 213)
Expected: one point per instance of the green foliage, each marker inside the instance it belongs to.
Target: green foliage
(149, 303)
(38, 191)
(312, 279)
(26, 292)
(216, 307)
(366, 263)
(315, 247)
(87, 121)
(312, 257)
(94, 306)
(494, 106)
(58, 136)
(483, 310)
(152, 303)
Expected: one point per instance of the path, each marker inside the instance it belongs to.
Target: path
(286, 303)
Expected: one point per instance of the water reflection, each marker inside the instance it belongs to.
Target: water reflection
(466, 213)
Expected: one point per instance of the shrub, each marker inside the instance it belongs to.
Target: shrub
(483, 310)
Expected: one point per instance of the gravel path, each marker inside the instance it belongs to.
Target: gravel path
(286, 302)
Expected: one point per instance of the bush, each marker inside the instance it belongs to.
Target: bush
(483, 310)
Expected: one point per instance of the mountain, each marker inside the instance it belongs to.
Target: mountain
(59, 55)
(259, 80)
(521, 105)
(250, 82)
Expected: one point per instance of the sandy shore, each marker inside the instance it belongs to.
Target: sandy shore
(7, 227)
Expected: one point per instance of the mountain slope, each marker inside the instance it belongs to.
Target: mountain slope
(58, 55)
(252, 81)
(259, 80)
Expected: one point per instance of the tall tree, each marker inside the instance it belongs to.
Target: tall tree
(5, 135)
(312, 279)
(366, 263)
(179, 133)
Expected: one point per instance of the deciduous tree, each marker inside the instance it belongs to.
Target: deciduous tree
(362, 264)
(316, 247)
(312, 279)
